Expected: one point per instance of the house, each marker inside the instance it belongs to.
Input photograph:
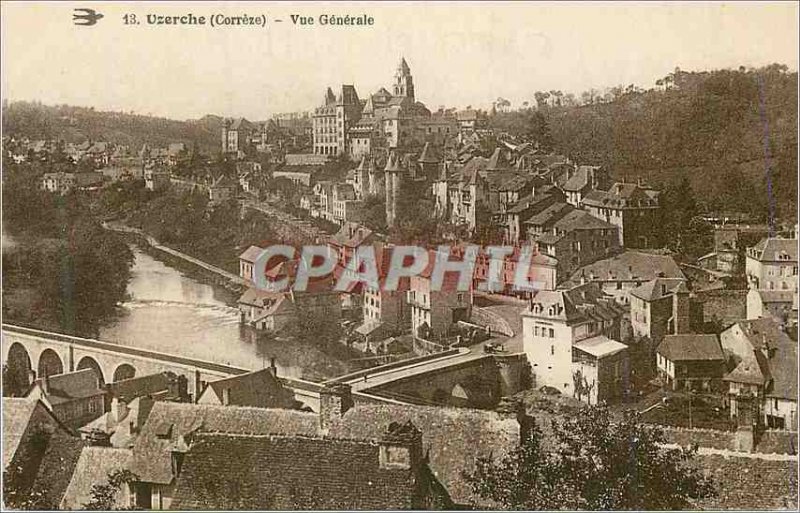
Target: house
(583, 181)
(228, 471)
(660, 307)
(348, 239)
(761, 362)
(619, 274)
(119, 426)
(542, 197)
(93, 467)
(222, 189)
(434, 312)
(247, 261)
(237, 137)
(258, 389)
(39, 455)
(156, 178)
(726, 257)
(573, 237)
(691, 362)
(75, 398)
(265, 310)
(633, 208)
(772, 264)
(780, 305)
(181, 443)
(565, 332)
(542, 271)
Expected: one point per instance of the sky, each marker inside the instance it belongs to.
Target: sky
(460, 54)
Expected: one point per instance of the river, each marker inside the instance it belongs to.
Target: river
(170, 312)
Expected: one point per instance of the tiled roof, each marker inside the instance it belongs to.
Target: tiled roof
(128, 389)
(251, 254)
(691, 347)
(259, 389)
(229, 472)
(631, 266)
(93, 468)
(659, 288)
(167, 421)
(772, 249)
(453, 438)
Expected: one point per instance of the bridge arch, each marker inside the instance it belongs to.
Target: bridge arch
(124, 371)
(49, 363)
(87, 362)
(19, 369)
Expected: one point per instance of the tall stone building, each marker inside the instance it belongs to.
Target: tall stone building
(333, 119)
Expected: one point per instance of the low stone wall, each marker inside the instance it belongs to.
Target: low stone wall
(778, 442)
(712, 438)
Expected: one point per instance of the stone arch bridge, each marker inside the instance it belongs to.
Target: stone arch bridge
(31, 353)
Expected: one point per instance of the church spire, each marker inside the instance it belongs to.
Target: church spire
(403, 81)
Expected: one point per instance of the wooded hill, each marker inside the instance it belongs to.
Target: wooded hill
(77, 124)
(710, 127)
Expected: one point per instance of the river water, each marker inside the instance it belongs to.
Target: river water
(173, 313)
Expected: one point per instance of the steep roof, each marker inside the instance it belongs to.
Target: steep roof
(581, 179)
(764, 334)
(497, 161)
(691, 347)
(453, 438)
(72, 385)
(631, 266)
(659, 288)
(169, 421)
(228, 472)
(582, 303)
(128, 389)
(259, 389)
(17, 414)
(428, 155)
(600, 346)
(773, 250)
(621, 195)
(93, 468)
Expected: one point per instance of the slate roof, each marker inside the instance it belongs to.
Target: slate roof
(92, 468)
(128, 389)
(72, 385)
(631, 266)
(258, 297)
(659, 288)
(691, 347)
(429, 155)
(582, 303)
(550, 215)
(167, 421)
(497, 161)
(782, 367)
(581, 179)
(241, 124)
(251, 254)
(770, 249)
(228, 472)
(776, 296)
(259, 389)
(453, 438)
(17, 414)
(621, 195)
(57, 467)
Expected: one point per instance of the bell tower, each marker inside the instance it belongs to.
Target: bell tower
(403, 81)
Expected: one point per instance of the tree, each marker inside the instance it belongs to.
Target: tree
(104, 496)
(594, 463)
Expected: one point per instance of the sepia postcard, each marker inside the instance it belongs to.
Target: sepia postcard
(465, 255)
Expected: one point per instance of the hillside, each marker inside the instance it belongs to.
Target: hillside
(77, 124)
(709, 127)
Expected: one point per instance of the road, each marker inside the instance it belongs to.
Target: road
(304, 227)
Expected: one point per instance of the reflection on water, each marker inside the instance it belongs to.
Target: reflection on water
(176, 314)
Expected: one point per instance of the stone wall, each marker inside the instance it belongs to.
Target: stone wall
(727, 306)
(711, 438)
(485, 317)
(779, 442)
(750, 483)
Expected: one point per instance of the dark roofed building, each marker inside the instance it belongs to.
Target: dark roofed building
(691, 361)
(259, 389)
(631, 207)
(225, 472)
(75, 398)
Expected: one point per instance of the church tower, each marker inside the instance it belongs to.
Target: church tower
(403, 81)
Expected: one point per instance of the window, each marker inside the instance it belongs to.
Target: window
(536, 331)
(551, 332)
(552, 350)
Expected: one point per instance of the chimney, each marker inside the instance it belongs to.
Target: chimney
(401, 447)
(45, 384)
(226, 396)
(273, 369)
(334, 401)
(510, 408)
(31, 376)
(680, 310)
(119, 409)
